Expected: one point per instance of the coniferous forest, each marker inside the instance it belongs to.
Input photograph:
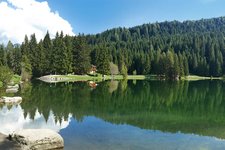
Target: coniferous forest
(167, 49)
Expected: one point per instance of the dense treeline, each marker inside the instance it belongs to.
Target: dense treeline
(62, 55)
(168, 49)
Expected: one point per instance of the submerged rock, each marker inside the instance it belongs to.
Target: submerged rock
(10, 99)
(38, 139)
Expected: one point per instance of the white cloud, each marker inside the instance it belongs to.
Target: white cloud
(20, 17)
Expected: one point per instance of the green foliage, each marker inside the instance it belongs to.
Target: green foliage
(5, 75)
(113, 69)
(59, 55)
(26, 70)
(124, 71)
(200, 44)
(48, 52)
(102, 60)
(2, 55)
(16, 79)
(167, 49)
(81, 56)
(13, 57)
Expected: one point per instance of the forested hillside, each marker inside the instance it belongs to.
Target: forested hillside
(192, 46)
(168, 49)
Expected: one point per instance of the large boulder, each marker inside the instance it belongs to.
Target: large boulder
(38, 139)
(10, 100)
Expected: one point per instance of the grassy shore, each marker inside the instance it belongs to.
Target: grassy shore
(72, 78)
(195, 78)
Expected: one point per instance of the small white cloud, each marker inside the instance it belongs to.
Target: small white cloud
(20, 17)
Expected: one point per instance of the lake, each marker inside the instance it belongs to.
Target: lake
(133, 115)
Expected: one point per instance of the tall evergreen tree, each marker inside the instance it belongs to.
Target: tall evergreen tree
(48, 52)
(59, 55)
(2, 56)
(102, 60)
(69, 55)
(81, 55)
(26, 69)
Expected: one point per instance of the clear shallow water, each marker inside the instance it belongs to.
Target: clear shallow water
(124, 115)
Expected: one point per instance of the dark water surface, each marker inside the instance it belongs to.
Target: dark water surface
(133, 115)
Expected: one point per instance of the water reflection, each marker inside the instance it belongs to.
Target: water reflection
(158, 109)
(12, 119)
(189, 107)
(96, 134)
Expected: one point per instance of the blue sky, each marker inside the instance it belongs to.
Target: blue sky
(25, 17)
(93, 16)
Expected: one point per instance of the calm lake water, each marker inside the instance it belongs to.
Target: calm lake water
(133, 115)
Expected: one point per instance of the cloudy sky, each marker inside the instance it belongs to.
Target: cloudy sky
(20, 17)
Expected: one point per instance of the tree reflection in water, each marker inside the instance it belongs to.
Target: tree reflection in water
(189, 107)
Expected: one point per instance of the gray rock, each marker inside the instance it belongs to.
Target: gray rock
(10, 99)
(12, 90)
(13, 87)
(38, 139)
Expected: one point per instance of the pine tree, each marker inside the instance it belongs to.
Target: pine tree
(17, 60)
(69, 55)
(124, 71)
(2, 56)
(102, 61)
(39, 70)
(26, 69)
(81, 56)
(120, 61)
(10, 56)
(59, 55)
(147, 65)
(176, 67)
(181, 65)
(169, 65)
(25, 46)
(47, 48)
(33, 55)
(186, 66)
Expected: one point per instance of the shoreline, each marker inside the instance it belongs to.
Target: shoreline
(74, 78)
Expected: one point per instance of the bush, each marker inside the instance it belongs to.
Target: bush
(5, 75)
(134, 72)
